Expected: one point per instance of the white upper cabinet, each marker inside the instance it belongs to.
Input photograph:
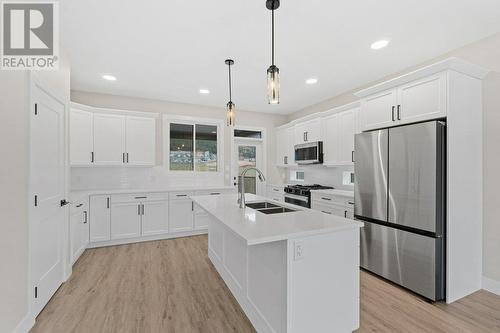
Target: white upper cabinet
(339, 130)
(285, 152)
(379, 110)
(346, 139)
(109, 139)
(422, 99)
(140, 141)
(82, 137)
(418, 100)
(331, 154)
(309, 131)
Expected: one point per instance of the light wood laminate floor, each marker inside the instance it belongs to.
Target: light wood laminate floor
(171, 286)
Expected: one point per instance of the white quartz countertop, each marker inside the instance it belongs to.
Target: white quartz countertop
(343, 193)
(258, 228)
(151, 190)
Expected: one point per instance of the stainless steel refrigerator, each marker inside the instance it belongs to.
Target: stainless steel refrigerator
(400, 194)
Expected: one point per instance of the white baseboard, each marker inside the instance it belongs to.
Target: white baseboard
(491, 285)
(25, 325)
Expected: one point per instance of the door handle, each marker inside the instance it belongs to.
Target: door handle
(393, 107)
(399, 111)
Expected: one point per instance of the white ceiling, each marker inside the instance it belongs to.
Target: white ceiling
(169, 49)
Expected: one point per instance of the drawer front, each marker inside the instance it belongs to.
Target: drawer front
(333, 199)
(336, 210)
(276, 189)
(138, 197)
(181, 195)
(216, 192)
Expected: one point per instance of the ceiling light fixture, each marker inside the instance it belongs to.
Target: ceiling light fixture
(230, 107)
(380, 44)
(204, 91)
(312, 81)
(109, 77)
(273, 72)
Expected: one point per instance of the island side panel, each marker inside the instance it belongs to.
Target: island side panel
(255, 275)
(323, 283)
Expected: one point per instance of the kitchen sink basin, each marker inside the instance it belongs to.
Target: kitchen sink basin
(261, 205)
(277, 210)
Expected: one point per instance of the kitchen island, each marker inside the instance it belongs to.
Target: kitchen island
(294, 271)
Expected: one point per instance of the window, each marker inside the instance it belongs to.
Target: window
(206, 148)
(247, 134)
(193, 147)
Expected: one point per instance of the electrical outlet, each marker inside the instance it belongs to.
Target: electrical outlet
(298, 251)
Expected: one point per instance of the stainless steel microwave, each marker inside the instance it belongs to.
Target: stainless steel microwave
(309, 153)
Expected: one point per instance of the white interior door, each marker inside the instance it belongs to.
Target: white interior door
(47, 176)
(248, 153)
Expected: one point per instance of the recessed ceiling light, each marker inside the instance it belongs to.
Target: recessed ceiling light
(109, 77)
(380, 44)
(204, 91)
(312, 80)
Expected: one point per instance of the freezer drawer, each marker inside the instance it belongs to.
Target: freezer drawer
(410, 260)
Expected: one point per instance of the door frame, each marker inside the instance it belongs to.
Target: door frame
(36, 81)
(263, 142)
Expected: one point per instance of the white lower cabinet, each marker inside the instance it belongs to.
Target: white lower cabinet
(333, 204)
(181, 214)
(100, 218)
(154, 218)
(125, 220)
(79, 229)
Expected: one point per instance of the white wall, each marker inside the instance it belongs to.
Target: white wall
(485, 53)
(14, 141)
(116, 177)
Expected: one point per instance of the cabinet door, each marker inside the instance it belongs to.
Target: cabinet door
(313, 130)
(180, 215)
(290, 146)
(81, 137)
(100, 218)
(423, 99)
(377, 110)
(75, 231)
(109, 137)
(331, 143)
(330, 209)
(346, 137)
(84, 230)
(154, 218)
(201, 218)
(140, 141)
(125, 220)
(281, 151)
(299, 131)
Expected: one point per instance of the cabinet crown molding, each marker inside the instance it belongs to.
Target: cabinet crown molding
(131, 113)
(453, 64)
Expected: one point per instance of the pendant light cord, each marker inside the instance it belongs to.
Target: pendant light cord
(272, 36)
(230, 90)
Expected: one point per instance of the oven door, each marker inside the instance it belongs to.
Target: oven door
(298, 200)
(309, 153)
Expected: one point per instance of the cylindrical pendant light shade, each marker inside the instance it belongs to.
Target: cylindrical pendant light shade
(231, 114)
(273, 85)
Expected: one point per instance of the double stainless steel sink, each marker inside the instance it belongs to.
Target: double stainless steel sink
(269, 207)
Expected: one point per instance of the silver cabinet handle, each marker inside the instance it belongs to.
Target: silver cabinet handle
(86, 217)
(123, 157)
(327, 199)
(192, 206)
(352, 156)
(393, 107)
(79, 205)
(127, 157)
(345, 213)
(107, 202)
(142, 209)
(215, 193)
(141, 197)
(350, 203)
(181, 195)
(399, 112)
(92, 157)
(329, 213)
(138, 209)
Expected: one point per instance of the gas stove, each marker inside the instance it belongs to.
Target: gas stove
(301, 194)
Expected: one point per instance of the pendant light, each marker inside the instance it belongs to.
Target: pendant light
(230, 107)
(273, 72)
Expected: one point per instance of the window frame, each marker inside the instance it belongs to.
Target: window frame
(168, 119)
